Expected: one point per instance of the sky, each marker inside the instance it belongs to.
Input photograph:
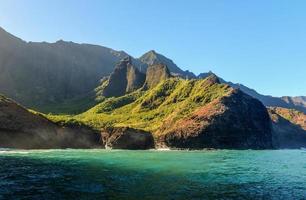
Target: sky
(261, 44)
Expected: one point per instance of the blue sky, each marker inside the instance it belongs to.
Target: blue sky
(261, 44)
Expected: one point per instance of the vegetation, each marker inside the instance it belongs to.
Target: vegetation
(173, 99)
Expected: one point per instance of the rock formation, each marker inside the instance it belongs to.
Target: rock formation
(127, 138)
(154, 58)
(124, 79)
(289, 128)
(155, 74)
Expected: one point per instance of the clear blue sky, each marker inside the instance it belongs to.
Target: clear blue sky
(259, 43)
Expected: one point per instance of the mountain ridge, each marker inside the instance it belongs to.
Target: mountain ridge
(43, 75)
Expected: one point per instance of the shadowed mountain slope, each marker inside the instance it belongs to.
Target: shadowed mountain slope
(289, 128)
(20, 128)
(37, 74)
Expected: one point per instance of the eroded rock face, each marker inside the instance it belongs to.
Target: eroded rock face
(155, 74)
(236, 121)
(127, 138)
(289, 128)
(20, 128)
(125, 78)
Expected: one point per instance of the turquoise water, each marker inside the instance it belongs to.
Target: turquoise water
(106, 174)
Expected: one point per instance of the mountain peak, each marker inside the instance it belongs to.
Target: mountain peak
(154, 58)
(7, 38)
(213, 78)
(124, 79)
(156, 74)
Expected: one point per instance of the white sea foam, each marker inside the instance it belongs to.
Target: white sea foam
(163, 149)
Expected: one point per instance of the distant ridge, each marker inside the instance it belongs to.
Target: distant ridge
(43, 75)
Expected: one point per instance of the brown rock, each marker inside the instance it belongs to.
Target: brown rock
(155, 74)
(127, 138)
(125, 78)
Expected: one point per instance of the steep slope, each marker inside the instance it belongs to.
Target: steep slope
(153, 58)
(20, 128)
(39, 74)
(289, 128)
(173, 102)
(155, 74)
(125, 79)
(233, 121)
(298, 103)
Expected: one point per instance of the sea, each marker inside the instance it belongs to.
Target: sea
(152, 174)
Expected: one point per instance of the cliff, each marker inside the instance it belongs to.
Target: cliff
(289, 128)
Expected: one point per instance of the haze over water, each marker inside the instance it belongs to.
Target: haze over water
(119, 174)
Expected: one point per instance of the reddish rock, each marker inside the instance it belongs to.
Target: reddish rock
(236, 121)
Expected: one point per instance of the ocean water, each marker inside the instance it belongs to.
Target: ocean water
(120, 174)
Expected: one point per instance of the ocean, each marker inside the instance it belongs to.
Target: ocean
(152, 174)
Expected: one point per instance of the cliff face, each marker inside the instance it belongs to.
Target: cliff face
(127, 138)
(125, 78)
(289, 128)
(235, 121)
(154, 58)
(20, 128)
(155, 74)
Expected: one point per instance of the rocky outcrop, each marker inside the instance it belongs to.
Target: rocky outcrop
(125, 78)
(20, 128)
(289, 128)
(154, 58)
(235, 121)
(127, 138)
(155, 74)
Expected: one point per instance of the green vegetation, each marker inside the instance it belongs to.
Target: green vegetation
(172, 99)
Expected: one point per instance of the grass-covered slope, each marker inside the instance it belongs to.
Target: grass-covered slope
(147, 110)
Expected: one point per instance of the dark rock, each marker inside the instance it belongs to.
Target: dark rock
(213, 79)
(289, 128)
(127, 138)
(235, 121)
(20, 128)
(155, 74)
(154, 58)
(125, 78)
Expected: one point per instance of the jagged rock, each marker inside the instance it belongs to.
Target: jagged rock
(155, 74)
(213, 79)
(235, 121)
(154, 58)
(125, 78)
(20, 128)
(127, 138)
(289, 128)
